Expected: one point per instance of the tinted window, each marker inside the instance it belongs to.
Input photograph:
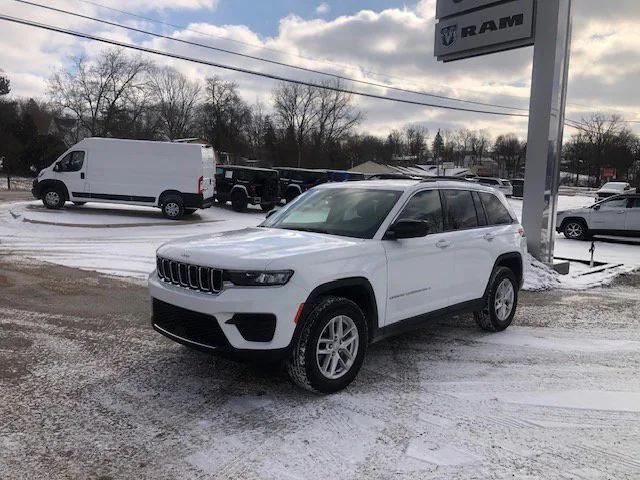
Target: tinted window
(459, 210)
(72, 162)
(614, 204)
(482, 218)
(497, 213)
(425, 206)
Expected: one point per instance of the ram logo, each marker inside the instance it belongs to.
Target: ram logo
(448, 35)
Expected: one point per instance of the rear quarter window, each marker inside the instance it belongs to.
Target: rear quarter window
(459, 210)
(497, 213)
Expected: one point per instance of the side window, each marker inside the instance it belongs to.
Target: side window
(614, 204)
(72, 162)
(497, 213)
(482, 217)
(459, 210)
(425, 206)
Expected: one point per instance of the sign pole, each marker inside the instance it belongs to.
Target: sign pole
(546, 125)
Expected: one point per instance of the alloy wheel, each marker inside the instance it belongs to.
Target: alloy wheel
(337, 347)
(504, 299)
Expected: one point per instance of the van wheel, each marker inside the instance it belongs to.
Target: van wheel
(502, 301)
(189, 211)
(173, 207)
(53, 198)
(267, 207)
(79, 204)
(239, 201)
(331, 348)
(290, 195)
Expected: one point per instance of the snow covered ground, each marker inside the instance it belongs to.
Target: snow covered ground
(121, 240)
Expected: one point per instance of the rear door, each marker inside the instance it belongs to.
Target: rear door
(472, 254)
(208, 172)
(610, 216)
(632, 223)
(419, 269)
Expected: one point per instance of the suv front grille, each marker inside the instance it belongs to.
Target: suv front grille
(193, 277)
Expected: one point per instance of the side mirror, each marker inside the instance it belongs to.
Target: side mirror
(56, 167)
(271, 212)
(596, 207)
(407, 229)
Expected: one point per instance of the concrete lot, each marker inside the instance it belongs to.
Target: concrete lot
(88, 390)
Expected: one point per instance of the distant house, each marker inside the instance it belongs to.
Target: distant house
(65, 128)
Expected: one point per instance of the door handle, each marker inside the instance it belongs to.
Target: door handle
(82, 175)
(443, 243)
(488, 236)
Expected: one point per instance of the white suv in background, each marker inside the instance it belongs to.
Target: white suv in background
(498, 183)
(342, 266)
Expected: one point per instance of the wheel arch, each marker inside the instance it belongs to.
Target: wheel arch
(514, 262)
(59, 184)
(357, 289)
(581, 220)
(242, 188)
(165, 194)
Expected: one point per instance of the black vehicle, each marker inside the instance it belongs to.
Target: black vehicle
(344, 176)
(518, 187)
(244, 185)
(294, 181)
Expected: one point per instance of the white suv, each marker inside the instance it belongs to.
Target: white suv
(342, 266)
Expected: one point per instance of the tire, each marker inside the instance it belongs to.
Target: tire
(575, 230)
(53, 198)
(497, 315)
(79, 204)
(189, 211)
(173, 207)
(290, 195)
(239, 201)
(304, 364)
(267, 207)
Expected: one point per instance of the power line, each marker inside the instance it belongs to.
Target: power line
(245, 70)
(253, 57)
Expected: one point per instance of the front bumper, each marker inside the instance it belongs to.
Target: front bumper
(231, 309)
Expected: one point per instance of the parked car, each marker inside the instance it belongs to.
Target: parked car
(294, 181)
(498, 183)
(610, 189)
(345, 265)
(619, 215)
(176, 177)
(518, 187)
(247, 185)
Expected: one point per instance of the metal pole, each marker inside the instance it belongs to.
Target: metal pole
(546, 120)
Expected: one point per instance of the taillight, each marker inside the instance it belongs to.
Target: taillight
(521, 232)
(200, 185)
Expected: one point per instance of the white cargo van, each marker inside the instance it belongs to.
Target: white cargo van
(176, 177)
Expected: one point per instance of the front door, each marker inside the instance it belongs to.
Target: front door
(419, 270)
(72, 170)
(610, 216)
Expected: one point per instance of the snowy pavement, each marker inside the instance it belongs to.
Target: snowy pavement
(121, 240)
(89, 390)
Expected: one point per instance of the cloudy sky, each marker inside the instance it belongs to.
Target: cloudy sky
(384, 41)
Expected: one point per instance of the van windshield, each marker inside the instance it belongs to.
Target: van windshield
(348, 212)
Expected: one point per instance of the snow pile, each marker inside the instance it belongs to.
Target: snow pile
(538, 276)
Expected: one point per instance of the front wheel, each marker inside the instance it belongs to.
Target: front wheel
(331, 348)
(575, 230)
(501, 301)
(53, 198)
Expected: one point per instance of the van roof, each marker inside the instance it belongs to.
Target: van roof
(139, 142)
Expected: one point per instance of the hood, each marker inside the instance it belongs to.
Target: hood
(250, 248)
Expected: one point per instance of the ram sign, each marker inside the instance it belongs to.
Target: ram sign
(494, 28)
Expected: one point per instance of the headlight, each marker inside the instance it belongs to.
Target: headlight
(257, 279)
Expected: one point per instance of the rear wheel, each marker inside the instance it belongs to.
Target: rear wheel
(239, 200)
(53, 198)
(501, 302)
(575, 230)
(331, 348)
(173, 207)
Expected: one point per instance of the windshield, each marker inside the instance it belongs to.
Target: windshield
(614, 185)
(348, 212)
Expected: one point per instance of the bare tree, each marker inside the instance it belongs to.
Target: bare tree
(98, 92)
(509, 151)
(176, 98)
(5, 85)
(336, 116)
(416, 137)
(296, 110)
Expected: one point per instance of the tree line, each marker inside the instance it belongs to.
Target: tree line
(124, 96)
